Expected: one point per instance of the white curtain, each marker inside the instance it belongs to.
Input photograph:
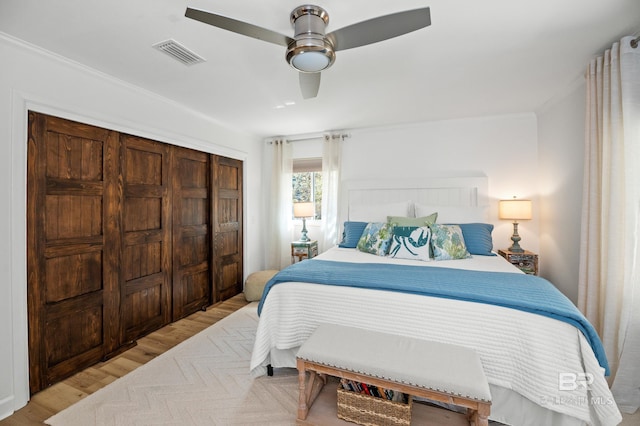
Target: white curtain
(609, 283)
(331, 149)
(279, 226)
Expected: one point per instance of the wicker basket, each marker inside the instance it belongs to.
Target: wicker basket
(372, 411)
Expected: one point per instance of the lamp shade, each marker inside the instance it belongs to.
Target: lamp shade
(515, 209)
(303, 209)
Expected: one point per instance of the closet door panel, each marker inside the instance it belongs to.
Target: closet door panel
(146, 251)
(191, 231)
(72, 281)
(227, 223)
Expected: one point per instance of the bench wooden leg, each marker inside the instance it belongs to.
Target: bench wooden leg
(308, 392)
(316, 382)
(303, 409)
(483, 414)
(479, 417)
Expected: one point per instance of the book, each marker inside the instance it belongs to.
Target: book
(374, 391)
(365, 388)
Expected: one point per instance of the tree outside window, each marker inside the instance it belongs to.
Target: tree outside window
(307, 183)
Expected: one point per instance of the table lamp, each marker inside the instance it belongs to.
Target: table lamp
(515, 210)
(303, 210)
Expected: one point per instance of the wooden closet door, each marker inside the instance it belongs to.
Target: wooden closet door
(146, 255)
(72, 285)
(227, 227)
(191, 231)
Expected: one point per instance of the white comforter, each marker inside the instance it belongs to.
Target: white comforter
(530, 360)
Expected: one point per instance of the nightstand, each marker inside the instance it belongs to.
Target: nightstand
(527, 262)
(301, 250)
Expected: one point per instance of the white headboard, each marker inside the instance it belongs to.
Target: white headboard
(466, 191)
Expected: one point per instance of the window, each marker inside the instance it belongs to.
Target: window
(307, 183)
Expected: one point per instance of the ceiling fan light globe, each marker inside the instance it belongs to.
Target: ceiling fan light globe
(310, 61)
(310, 55)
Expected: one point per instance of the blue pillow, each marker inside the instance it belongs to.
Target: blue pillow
(477, 238)
(351, 234)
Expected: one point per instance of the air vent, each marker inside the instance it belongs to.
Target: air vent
(179, 52)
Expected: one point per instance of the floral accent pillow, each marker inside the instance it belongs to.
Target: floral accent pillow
(448, 242)
(376, 238)
(416, 246)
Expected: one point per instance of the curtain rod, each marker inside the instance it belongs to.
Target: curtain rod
(634, 42)
(308, 138)
(341, 136)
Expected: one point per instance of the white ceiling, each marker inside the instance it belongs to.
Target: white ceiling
(477, 58)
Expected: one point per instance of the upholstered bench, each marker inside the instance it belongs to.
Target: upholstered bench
(255, 282)
(437, 371)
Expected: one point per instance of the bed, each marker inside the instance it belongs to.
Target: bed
(542, 369)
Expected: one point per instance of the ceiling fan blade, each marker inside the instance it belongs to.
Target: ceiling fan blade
(239, 27)
(309, 84)
(380, 28)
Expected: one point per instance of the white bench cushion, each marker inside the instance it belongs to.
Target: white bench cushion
(447, 368)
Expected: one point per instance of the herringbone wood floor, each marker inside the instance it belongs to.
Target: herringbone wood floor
(56, 398)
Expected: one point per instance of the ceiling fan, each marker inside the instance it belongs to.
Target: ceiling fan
(311, 50)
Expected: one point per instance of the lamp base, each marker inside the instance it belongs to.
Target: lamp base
(515, 247)
(303, 236)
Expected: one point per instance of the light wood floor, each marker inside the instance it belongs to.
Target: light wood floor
(56, 398)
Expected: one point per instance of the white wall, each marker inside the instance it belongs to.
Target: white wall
(503, 148)
(561, 151)
(537, 157)
(32, 79)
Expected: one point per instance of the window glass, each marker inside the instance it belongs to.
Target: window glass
(307, 183)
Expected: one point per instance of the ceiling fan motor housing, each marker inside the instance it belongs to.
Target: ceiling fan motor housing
(310, 50)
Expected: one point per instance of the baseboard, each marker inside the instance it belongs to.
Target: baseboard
(6, 407)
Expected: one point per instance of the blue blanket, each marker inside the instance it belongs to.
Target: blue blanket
(518, 291)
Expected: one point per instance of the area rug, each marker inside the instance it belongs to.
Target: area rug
(204, 380)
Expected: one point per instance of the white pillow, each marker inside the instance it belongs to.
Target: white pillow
(416, 246)
(379, 212)
(455, 214)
